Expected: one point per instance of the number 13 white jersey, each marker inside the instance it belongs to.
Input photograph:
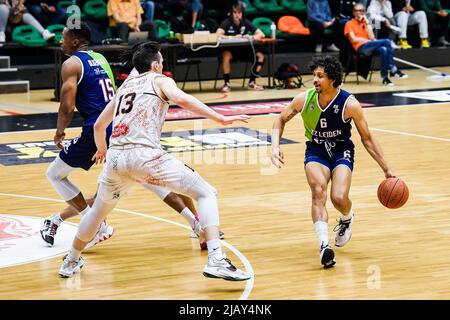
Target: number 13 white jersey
(139, 113)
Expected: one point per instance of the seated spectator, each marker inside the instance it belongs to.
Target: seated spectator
(46, 12)
(382, 18)
(125, 16)
(438, 19)
(238, 27)
(178, 23)
(361, 36)
(319, 17)
(15, 12)
(407, 13)
(193, 6)
(345, 10)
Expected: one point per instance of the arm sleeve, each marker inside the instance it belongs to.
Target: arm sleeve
(224, 25)
(138, 6)
(312, 12)
(250, 26)
(375, 13)
(347, 28)
(424, 6)
(387, 9)
(112, 7)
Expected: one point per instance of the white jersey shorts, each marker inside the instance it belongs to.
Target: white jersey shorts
(128, 166)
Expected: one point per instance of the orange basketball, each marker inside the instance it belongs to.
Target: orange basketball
(393, 193)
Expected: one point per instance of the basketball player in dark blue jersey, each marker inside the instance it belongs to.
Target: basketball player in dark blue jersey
(327, 112)
(88, 85)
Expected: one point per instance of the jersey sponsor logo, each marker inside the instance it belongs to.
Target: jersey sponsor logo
(120, 130)
(326, 134)
(336, 108)
(311, 106)
(96, 63)
(222, 138)
(99, 71)
(20, 241)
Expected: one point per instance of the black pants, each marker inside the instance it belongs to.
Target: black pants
(317, 32)
(438, 25)
(121, 30)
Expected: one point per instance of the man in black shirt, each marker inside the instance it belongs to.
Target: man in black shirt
(236, 26)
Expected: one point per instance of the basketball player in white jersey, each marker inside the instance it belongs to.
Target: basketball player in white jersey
(135, 156)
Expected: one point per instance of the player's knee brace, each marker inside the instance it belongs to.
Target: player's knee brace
(57, 173)
(92, 220)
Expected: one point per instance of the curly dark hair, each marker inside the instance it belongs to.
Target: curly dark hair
(331, 65)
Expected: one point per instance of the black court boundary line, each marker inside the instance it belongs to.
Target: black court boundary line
(42, 121)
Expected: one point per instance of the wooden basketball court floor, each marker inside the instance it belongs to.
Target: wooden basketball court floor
(265, 214)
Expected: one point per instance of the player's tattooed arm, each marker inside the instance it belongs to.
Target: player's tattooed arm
(354, 111)
(292, 114)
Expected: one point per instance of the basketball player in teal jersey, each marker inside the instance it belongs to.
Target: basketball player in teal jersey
(88, 85)
(327, 112)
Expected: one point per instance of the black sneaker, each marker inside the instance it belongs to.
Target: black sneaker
(398, 74)
(48, 231)
(388, 82)
(327, 256)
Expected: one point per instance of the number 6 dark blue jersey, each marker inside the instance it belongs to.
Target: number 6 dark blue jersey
(96, 85)
(327, 131)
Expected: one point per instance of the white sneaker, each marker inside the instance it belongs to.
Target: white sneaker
(394, 46)
(200, 235)
(333, 48)
(104, 233)
(327, 256)
(2, 37)
(318, 48)
(224, 269)
(69, 267)
(343, 232)
(47, 35)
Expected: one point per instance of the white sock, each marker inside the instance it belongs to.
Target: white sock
(82, 213)
(322, 233)
(214, 248)
(56, 219)
(347, 217)
(74, 254)
(189, 216)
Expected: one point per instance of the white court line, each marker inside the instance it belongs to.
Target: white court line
(248, 284)
(411, 134)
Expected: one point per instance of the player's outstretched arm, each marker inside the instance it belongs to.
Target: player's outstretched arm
(172, 92)
(70, 71)
(355, 111)
(103, 121)
(287, 114)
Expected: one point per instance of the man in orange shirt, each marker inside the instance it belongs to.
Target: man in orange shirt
(124, 16)
(360, 35)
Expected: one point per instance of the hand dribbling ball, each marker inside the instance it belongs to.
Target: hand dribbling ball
(393, 193)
